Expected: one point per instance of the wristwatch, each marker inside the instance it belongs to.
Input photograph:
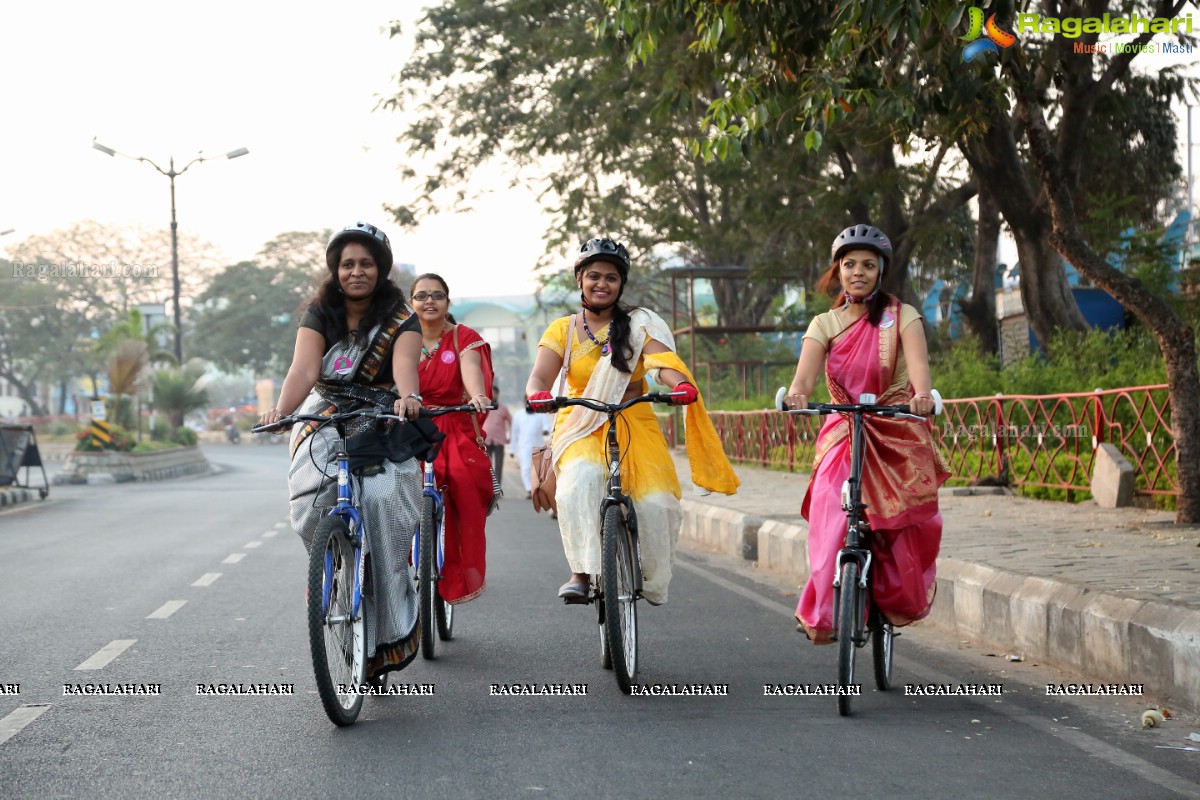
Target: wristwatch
(416, 397)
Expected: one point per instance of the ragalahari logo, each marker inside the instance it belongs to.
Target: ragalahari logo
(984, 38)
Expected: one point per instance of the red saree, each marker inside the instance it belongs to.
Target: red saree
(461, 467)
(901, 474)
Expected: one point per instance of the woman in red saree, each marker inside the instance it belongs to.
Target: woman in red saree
(456, 368)
(870, 343)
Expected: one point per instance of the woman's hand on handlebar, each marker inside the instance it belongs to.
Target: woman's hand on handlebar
(921, 404)
(480, 403)
(541, 403)
(794, 401)
(270, 418)
(408, 407)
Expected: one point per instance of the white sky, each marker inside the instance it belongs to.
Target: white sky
(293, 82)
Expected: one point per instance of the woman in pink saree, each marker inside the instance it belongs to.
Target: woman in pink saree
(870, 343)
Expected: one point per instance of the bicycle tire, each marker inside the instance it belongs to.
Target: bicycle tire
(847, 610)
(427, 586)
(883, 640)
(445, 611)
(620, 598)
(338, 648)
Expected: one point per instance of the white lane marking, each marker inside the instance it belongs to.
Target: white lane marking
(167, 609)
(233, 558)
(207, 579)
(281, 524)
(11, 725)
(269, 534)
(252, 545)
(106, 654)
(1089, 744)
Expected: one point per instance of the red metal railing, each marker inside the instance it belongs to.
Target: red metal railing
(1039, 440)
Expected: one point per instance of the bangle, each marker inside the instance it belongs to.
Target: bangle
(416, 397)
(926, 395)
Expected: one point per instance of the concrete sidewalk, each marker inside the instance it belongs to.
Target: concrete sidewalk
(1113, 595)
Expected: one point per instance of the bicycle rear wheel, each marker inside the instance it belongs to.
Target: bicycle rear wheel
(620, 598)
(882, 641)
(444, 611)
(426, 586)
(336, 637)
(847, 614)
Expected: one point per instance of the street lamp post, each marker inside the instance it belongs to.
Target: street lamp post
(171, 174)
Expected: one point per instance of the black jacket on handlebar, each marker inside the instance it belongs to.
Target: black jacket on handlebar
(417, 438)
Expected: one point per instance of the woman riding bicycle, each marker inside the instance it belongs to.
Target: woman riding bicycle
(614, 350)
(456, 369)
(357, 347)
(870, 343)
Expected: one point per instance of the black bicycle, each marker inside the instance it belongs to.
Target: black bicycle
(855, 617)
(618, 587)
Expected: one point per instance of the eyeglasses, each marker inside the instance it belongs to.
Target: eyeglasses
(421, 297)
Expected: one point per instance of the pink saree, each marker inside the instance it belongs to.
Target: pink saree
(901, 475)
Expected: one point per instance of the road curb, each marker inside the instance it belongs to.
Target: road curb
(1105, 637)
(10, 497)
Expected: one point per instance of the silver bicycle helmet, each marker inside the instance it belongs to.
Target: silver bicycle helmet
(367, 234)
(867, 237)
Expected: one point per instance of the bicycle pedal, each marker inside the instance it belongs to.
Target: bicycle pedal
(577, 601)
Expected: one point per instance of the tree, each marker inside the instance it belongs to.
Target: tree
(178, 392)
(526, 83)
(1040, 83)
(105, 271)
(43, 338)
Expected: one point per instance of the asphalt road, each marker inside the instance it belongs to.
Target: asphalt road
(94, 566)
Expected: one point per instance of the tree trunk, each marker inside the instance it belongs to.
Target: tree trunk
(1047, 298)
(979, 311)
(1175, 336)
(27, 392)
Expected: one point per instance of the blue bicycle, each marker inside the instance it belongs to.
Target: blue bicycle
(429, 551)
(336, 625)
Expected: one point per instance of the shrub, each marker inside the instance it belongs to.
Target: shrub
(184, 436)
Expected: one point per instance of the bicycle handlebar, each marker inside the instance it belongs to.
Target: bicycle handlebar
(607, 408)
(374, 413)
(821, 409)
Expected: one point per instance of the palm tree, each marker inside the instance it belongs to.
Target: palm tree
(179, 391)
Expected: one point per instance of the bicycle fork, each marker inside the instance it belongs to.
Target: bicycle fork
(862, 557)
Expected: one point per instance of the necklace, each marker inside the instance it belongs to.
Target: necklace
(426, 353)
(604, 347)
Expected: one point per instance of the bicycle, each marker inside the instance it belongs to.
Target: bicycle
(429, 551)
(336, 624)
(855, 618)
(617, 588)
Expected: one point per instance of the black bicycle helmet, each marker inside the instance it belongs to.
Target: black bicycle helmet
(367, 234)
(604, 250)
(867, 237)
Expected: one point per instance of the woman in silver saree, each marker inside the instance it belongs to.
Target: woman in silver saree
(358, 346)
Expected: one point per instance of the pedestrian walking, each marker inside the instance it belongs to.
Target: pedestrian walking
(497, 431)
(529, 430)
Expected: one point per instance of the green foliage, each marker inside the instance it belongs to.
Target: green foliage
(185, 436)
(247, 317)
(122, 440)
(178, 392)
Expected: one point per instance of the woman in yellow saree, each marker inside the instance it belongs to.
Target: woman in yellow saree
(610, 351)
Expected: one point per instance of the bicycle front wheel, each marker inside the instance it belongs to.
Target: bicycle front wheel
(847, 616)
(336, 635)
(620, 598)
(426, 584)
